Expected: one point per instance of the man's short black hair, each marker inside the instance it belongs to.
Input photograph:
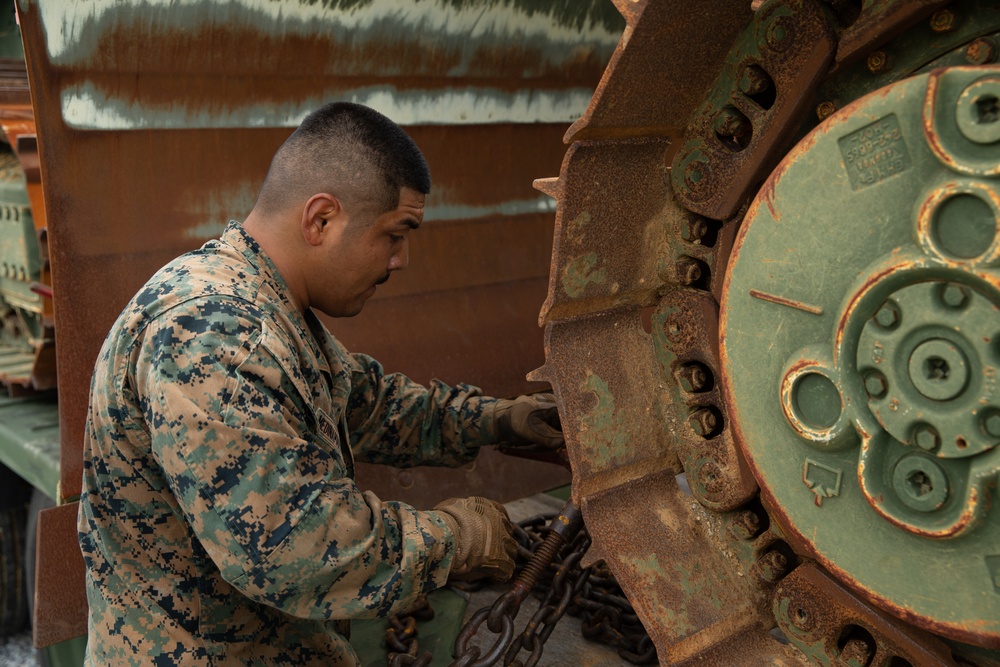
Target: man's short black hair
(350, 151)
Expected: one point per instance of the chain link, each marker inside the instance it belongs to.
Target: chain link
(592, 595)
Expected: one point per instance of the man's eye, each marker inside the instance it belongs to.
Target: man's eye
(396, 238)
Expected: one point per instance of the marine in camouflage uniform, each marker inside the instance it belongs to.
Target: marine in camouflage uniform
(220, 523)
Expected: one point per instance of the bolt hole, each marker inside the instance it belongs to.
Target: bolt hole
(936, 369)
(764, 93)
(961, 443)
(987, 109)
(846, 11)
(801, 616)
(733, 129)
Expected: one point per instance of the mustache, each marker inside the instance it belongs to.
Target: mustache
(383, 279)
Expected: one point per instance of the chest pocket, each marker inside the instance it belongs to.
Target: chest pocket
(314, 396)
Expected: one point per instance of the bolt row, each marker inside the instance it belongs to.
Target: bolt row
(981, 51)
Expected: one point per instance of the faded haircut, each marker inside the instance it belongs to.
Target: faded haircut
(350, 151)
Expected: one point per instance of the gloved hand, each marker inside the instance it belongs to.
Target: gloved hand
(484, 542)
(530, 419)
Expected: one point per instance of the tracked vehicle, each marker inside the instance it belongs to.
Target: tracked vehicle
(774, 282)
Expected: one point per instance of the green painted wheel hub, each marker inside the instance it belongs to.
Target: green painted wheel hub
(861, 345)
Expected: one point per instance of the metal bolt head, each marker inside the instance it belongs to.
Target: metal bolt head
(878, 62)
(731, 123)
(745, 525)
(991, 423)
(692, 377)
(771, 567)
(777, 34)
(688, 271)
(703, 422)
(888, 315)
(926, 437)
(856, 652)
(825, 109)
(694, 229)
(954, 296)
(875, 384)
(943, 21)
(710, 477)
(695, 172)
(981, 51)
(753, 80)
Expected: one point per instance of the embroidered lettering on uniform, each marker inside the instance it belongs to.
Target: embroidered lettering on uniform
(327, 427)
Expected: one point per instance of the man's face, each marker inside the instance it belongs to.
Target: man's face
(364, 255)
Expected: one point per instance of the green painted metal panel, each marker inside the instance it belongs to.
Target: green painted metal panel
(29, 440)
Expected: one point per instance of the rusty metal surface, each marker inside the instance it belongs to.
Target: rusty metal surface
(880, 22)
(789, 46)
(632, 341)
(665, 47)
(814, 607)
(60, 595)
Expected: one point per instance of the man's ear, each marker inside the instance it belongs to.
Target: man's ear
(321, 216)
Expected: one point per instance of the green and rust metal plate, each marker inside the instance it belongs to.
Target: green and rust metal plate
(861, 345)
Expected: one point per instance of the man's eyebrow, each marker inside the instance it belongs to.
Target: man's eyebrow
(412, 223)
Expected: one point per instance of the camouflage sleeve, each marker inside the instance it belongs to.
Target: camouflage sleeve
(269, 501)
(396, 421)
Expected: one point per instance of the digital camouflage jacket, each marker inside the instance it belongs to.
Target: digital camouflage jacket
(219, 522)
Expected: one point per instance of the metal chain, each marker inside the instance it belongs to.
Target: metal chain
(550, 568)
(401, 637)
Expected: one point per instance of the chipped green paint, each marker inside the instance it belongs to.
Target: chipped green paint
(603, 429)
(576, 228)
(697, 583)
(663, 348)
(581, 272)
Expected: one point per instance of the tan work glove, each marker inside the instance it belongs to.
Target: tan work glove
(531, 419)
(484, 542)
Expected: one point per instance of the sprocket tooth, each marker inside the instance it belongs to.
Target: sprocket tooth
(549, 186)
(540, 374)
(630, 9)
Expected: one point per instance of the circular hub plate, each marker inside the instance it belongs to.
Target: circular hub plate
(861, 345)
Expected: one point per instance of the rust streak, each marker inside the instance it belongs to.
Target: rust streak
(782, 301)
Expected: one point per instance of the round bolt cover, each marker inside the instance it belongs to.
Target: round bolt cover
(939, 370)
(963, 226)
(816, 400)
(978, 111)
(936, 362)
(921, 483)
